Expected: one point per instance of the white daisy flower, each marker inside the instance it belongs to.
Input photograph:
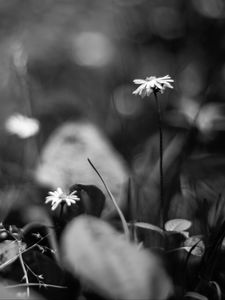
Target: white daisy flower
(57, 197)
(152, 84)
(22, 126)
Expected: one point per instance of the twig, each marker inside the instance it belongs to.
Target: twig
(23, 267)
(123, 221)
(5, 264)
(32, 272)
(51, 234)
(36, 284)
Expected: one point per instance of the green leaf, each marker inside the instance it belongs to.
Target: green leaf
(177, 225)
(111, 266)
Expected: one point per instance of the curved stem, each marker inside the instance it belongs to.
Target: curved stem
(123, 221)
(161, 160)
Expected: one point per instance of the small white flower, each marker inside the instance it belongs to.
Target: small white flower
(152, 84)
(22, 126)
(59, 196)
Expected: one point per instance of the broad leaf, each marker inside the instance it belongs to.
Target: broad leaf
(177, 225)
(110, 265)
(92, 199)
(195, 245)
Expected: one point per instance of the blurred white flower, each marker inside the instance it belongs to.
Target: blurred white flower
(57, 197)
(22, 126)
(152, 84)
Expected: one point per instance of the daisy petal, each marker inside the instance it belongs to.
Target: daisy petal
(158, 85)
(138, 91)
(139, 81)
(168, 85)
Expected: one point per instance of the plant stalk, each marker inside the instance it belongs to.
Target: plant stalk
(162, 221)
(122, 218)
(61, 210)
(24, 269)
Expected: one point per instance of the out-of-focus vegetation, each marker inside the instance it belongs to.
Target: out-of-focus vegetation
(85, 55)
(66, 82)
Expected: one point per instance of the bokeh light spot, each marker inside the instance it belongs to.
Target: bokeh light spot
(167, 22)
(92, 49)
(126, 103)
(210, 8)
(191, 81)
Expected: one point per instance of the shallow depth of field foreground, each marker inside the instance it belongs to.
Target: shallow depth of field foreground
(112, 149)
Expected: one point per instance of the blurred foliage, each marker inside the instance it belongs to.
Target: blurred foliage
(85, 54)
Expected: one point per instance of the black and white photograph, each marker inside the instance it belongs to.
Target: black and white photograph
(112, 149)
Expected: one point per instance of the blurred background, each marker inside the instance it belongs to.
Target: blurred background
(75, 60)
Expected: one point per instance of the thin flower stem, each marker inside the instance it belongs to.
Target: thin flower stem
(160, 160)
(24, 269)
(61, 210)
(123, 221)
